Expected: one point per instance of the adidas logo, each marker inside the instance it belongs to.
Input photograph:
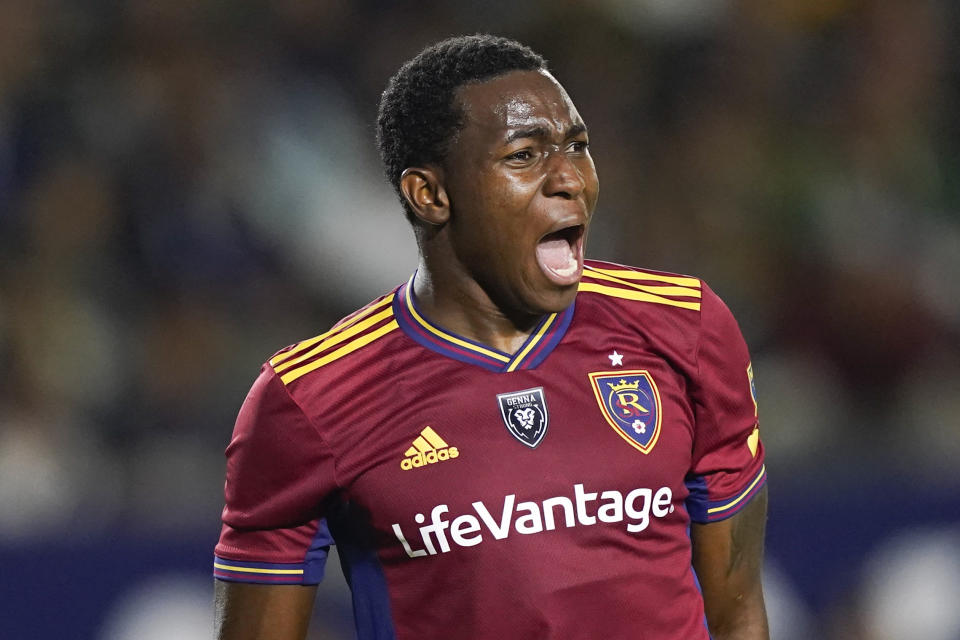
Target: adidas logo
(428, 448)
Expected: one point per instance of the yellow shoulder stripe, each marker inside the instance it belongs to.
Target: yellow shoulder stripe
(657, 289)
(629, 274)
(350, 347)
(336, 338)
(631, 294)
(306, 344)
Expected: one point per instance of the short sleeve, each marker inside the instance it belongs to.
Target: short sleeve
(727, 469)
(279, 475)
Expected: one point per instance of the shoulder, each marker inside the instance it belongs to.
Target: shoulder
(666, 308)
(642, 287)
(358, 333)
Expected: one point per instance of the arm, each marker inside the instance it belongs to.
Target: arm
(262, 612)
(728, 558)
(274, 540)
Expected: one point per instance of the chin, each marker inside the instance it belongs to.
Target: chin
(555, 299)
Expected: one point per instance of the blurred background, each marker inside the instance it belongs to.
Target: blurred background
(188, 186)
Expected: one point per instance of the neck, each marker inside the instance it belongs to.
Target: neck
(459, 303)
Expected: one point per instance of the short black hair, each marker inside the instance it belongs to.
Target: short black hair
(418, 114)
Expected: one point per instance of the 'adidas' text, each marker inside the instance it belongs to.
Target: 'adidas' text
(428, 448)
(430, 457)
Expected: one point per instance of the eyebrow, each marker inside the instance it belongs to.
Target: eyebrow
(540, 131)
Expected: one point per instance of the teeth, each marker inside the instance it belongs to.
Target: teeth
(557, 256)
(570, 269)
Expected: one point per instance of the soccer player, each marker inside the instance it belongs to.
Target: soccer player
(517, 442)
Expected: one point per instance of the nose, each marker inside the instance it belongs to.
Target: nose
(564, 178)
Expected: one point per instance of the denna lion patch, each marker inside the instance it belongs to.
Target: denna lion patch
(525, 415)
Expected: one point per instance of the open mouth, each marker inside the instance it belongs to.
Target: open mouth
(560, 254)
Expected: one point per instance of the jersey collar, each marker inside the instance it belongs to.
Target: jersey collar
(543, 339)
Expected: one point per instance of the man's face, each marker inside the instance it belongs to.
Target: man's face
(522, 189)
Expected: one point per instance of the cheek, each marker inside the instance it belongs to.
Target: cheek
(507, 205)
(592, 182)
(594, 195)
(508, 190)
(515, 195)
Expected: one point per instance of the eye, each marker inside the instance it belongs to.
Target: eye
(523, 155)
(578, 146)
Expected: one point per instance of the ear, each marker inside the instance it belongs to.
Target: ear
(422, 187)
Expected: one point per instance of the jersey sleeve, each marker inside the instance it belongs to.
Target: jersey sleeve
(727, 469)
(279, 475)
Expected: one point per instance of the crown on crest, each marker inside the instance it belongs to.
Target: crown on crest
(624, 385)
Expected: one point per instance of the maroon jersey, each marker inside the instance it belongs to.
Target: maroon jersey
(479, 494)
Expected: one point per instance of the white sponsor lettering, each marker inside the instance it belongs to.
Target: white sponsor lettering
(467, 530)
(464, 525)
(503, 530)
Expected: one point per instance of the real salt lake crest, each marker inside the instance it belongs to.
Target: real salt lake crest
(630, 403)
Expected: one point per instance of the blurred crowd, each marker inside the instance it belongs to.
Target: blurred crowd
(188, 186)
